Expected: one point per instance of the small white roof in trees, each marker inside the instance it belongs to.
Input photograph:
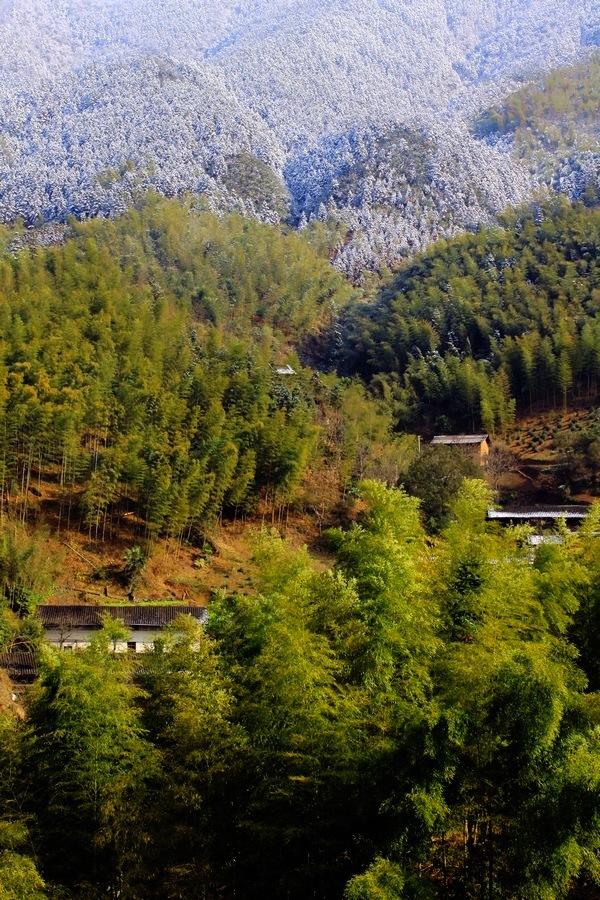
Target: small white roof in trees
(536, 540)
(285, 370)
(460, 438)
(539, 512)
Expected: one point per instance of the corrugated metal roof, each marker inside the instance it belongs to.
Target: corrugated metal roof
(537, 540)
(459, 438)
(539, 512)
(134, 616)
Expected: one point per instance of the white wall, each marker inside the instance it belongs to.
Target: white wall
(81, 637)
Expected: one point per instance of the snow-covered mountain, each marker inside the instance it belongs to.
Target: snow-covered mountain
(336, 98)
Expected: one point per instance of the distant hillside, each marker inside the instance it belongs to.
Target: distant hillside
(397, 189)
(485, 322)
(553, 126)
(277, 108)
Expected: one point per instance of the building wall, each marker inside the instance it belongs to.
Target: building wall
(76, 638)
(477, 452)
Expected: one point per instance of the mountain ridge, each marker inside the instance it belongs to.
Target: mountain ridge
(166, 94)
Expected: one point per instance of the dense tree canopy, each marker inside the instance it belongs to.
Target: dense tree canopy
(138, 369)
(412, 722)
(486, 321)
(415, 718)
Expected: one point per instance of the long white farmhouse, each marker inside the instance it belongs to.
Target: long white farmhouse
(71, 627)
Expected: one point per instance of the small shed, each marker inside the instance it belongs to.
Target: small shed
(477, 446)
(285, 370)
(20, 665)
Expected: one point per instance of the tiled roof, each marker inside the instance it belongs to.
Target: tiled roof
(140, 615)
(20, 664)
(459, 438)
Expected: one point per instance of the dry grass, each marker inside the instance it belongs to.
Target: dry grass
(7, 704)
(92, 571)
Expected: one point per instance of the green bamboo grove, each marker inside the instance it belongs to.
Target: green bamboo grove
(488, 323)
(418, 721)
(138, 360)
(138, 368)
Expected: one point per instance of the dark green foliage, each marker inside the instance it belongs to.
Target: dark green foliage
(191, 815)
(462, 606)
(585, 627)
(586, 633)
(435, 476)
(485, 320)
(19, 878)
(87, 763)
(135, 563)
(304, 728)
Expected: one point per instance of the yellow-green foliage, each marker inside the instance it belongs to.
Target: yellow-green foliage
(137, 360)
(567, 97)
(376, 730)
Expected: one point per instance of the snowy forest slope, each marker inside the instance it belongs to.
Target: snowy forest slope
(104, 98)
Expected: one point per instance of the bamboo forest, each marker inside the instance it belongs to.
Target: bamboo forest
(403, 701)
